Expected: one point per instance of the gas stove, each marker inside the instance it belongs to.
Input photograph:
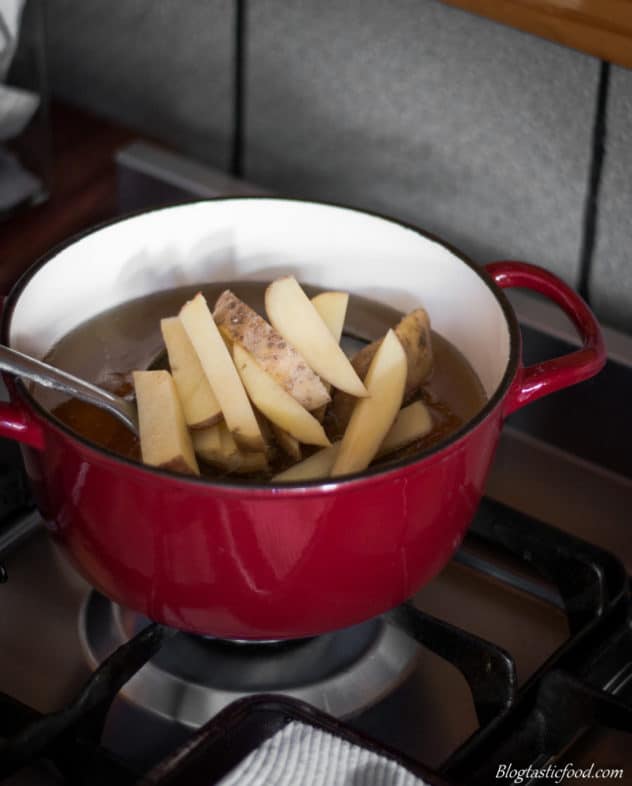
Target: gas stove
(517, 655)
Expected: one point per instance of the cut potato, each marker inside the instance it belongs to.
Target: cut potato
(289, 444)
(239, 324)
(164, 438)
(266, 432)
(217, 446)
(412, 422)
(332, 307)
(242, 391)
(413, 332)
(295, 317)
(229, 448)
(207, 444)
(275, 403)
(236, 460)
(318, 465)
(373, 417)
(201, 408)
(221, 373)
(246, 462)
(415, 336)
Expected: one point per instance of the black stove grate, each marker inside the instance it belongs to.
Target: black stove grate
(29, 736)
(575, 688)
(15, 494)
(584, 683)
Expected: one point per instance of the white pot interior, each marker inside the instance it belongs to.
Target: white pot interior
(260, 239)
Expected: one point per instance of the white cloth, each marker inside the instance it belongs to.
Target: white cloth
(17, 106)
(301, 755)
(10, 17)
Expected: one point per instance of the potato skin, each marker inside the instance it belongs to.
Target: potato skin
(240, 324)
(413, 332)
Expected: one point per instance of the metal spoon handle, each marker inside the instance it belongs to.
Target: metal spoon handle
(50, 377)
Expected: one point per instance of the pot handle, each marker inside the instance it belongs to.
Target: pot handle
(16, 423)
(533, 382)
(15, 420)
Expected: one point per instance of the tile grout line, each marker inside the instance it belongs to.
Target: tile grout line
(591, 205)
(239, 90)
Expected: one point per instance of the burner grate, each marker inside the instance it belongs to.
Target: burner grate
(489, 671)
(29, 736)
(557, 703)
(75, 753)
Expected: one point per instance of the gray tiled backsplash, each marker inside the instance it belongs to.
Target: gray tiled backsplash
(477, 132)
(474, 131)
(611, 280)
(163, 68)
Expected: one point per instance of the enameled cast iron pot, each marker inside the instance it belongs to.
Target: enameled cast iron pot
(259, 562)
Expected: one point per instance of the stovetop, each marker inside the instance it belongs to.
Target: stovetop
(507, 650)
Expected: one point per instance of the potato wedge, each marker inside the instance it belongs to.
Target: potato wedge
(238, 323)
(246, 462)
(412, 422)
(332, 307)
(228, 447)
(216, 446)
(207, 444)
(221, 373)
(164, 437)
(413, 332)
(373, 417)
(201, 408)
(316, 466)
(276, 403)
(289, 444)
(294, 316)
(236, 460)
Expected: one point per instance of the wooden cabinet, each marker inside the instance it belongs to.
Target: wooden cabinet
(598, 27)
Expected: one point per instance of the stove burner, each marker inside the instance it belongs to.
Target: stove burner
(193, 677)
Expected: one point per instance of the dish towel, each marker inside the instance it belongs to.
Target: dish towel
(301, 755)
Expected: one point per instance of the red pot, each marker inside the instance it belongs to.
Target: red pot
(261, 562)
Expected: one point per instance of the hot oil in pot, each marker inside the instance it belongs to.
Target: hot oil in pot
(106, 348)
